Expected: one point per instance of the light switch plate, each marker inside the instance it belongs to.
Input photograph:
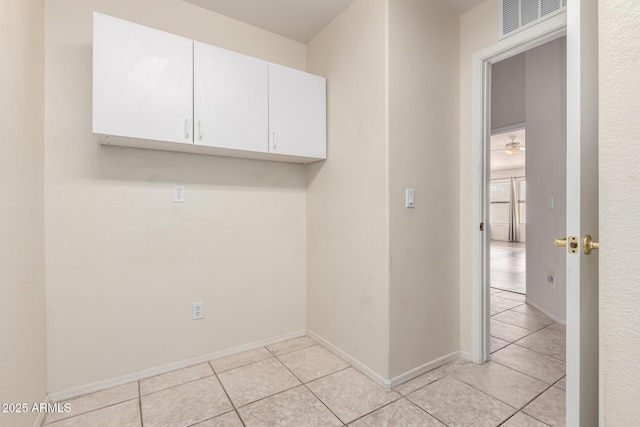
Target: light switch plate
(410, 197)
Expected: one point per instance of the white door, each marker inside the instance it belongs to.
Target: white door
(142, 82)
(582, 212)
(231, 99)
(297, 113)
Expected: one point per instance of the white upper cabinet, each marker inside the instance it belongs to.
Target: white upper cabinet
(231, 99)
(143, 82)
(297, 113)
(152, 89)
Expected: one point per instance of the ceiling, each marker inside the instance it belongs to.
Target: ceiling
(501, 160)
(298, 20)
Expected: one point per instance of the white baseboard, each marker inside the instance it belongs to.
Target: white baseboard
(416, 372)
(466, 355)
(147, 373)
(385, 383)
(545, 312)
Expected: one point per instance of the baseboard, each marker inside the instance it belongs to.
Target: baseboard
(385, 383)
(416, 372)
(545, 312)
(147, 373)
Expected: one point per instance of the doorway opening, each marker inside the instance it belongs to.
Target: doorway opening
(525, 193)
(524, 198)
(507, 211)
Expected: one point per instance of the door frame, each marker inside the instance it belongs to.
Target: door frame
(546, 31)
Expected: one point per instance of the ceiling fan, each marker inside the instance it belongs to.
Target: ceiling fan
(514, 146)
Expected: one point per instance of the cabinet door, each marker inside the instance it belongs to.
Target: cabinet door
(142, 82)
(230, 99)
(297, 113)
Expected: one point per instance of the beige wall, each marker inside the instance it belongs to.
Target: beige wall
(347, 206)
(619, 47)
(423, 155)
(124, 264)
(22, 310)
(382, 280)
(478, 29)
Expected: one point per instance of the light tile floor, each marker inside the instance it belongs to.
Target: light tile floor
(300, 383)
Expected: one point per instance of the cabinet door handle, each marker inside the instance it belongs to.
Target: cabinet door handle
(199, 129)
(275, 143)
(186, 127)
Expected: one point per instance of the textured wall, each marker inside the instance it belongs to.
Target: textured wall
(348, 248)
(423, 155)
(22, 293)
(619, 46)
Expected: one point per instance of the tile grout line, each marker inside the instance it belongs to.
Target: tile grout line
(228, 397)
(533, 331)
(296, 349)
(140, 404)
(241, 366)
(430, 382)
(548, 386)
(262, 398)
(524, 373)
(311, 391)
(487, 394)
(528, 315)
(88, 412)
(422, 409)
(377, 409)
(539, 352)
(178, 385)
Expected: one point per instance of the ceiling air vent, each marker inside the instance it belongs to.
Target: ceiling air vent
(516, 15)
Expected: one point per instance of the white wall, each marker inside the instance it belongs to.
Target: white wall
(22, 292)
(546, 119)
(478, 29)
(423, 155)
(347, 200)
(124, 264)
(619, 47)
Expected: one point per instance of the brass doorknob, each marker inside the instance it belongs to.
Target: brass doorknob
(588, 244)
(560, 242)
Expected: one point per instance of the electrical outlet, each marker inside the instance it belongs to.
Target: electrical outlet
(178, 193)
(198, 310)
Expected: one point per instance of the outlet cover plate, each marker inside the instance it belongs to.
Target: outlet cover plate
(198, 310)
(178, 193)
